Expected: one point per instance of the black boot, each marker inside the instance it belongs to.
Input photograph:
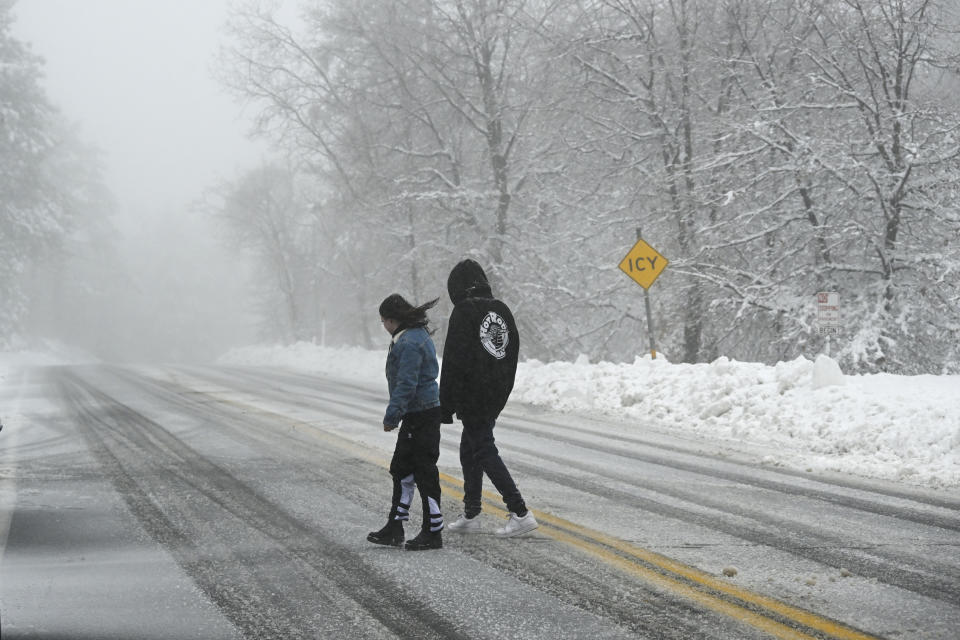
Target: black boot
(391, 534)
(426, 539)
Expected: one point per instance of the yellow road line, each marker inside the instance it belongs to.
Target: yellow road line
(668, 574)
(673, 586)
(593, 542)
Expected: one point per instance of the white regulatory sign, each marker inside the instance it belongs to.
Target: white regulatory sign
(828, 312)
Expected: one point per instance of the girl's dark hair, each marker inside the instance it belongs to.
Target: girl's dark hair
(395, 307)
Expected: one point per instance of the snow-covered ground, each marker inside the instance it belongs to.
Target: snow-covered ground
(801, 414)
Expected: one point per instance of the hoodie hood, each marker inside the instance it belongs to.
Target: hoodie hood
(467, 280)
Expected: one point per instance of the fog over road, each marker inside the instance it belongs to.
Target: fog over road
(215, 502)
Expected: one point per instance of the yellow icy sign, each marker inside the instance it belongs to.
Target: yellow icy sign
(643, 263)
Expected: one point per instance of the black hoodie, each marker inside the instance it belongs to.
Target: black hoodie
(481, 350)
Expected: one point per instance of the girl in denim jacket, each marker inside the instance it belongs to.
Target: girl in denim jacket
(414, 406)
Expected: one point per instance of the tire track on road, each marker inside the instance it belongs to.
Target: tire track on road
(206, 518)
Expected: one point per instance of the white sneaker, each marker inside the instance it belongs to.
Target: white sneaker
(517, 526)
(464, 525)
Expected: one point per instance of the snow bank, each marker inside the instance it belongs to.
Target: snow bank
(808, 414)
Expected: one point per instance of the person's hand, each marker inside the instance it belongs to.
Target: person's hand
(389, 427)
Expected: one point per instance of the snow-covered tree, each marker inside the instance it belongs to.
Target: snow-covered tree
(49, 185)
(770, 149)
(797, 140)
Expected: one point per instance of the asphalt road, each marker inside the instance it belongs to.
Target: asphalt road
(203, 502)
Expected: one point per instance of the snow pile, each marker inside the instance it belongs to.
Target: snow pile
(803, 414)
(352, 363)
(810, 414)
(45, 355)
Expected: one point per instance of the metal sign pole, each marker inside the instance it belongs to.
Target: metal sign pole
(643, 264)
(646, 300)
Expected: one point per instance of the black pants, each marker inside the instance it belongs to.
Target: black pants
(479, 455)
(414, 463)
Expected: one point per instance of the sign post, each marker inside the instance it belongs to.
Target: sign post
(643, 264)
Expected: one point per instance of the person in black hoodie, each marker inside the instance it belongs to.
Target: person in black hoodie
(476, 377)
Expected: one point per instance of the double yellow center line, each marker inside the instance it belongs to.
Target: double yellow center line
(776, 618)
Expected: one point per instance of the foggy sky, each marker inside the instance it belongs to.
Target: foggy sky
(136, 77)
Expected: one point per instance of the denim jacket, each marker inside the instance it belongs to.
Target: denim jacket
(412, 371)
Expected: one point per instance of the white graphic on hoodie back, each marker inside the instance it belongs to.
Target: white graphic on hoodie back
(494, 335)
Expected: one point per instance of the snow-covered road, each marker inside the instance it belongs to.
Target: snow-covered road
(227, 502)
